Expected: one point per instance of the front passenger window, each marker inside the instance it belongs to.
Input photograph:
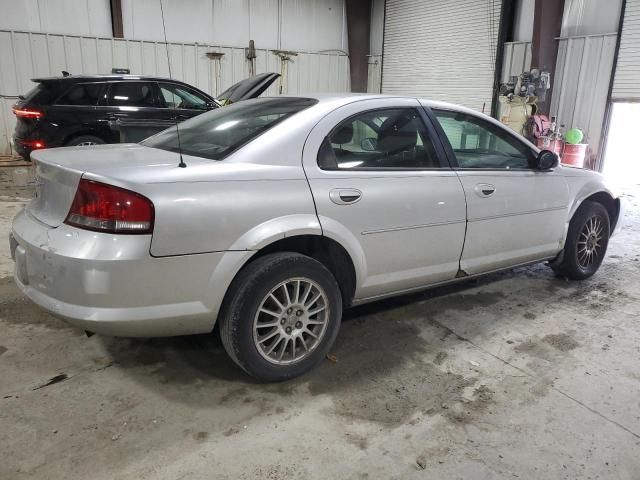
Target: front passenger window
(478, 143)
(379, 139)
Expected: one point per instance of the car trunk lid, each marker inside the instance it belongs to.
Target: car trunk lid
(58, 172)
(55, 189)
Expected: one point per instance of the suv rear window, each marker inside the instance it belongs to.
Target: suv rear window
(42, 94)
(81, 94)
(217, 134)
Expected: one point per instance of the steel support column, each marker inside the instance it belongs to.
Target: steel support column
(116, 18)
(547, 25)
(358, 28)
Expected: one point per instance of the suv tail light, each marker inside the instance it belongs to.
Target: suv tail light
(34, 144)
(105, 208)
(27, 113)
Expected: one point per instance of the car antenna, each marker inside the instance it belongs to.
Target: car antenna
(166, 45)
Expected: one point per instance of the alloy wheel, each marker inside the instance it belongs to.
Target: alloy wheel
(590, 242)
(291, 321)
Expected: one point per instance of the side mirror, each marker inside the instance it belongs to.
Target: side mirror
(546, 160)
(211, 105)
(369, 144)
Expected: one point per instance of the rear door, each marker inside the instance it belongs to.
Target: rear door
(75, 111)
(381, 185)
(515, 214)
(132, 110)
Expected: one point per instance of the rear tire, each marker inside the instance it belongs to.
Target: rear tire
(84, 140)
(586, 244)
(270, 324)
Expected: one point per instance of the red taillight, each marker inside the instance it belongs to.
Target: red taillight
(33, 144)
(105, 208)
(27, 113)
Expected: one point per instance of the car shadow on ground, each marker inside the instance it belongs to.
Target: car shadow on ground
(393, 342)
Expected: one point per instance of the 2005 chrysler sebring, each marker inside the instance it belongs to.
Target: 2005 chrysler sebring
(289, 210)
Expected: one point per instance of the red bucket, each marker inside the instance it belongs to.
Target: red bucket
(574, 154)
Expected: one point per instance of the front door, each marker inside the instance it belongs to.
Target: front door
(515, 214)
(133, 110)
(183, 101)
(381, 184)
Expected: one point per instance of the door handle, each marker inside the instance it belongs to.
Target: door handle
(485, 189)
(345, 196)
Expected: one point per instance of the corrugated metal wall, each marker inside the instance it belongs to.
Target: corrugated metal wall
(626, 85)
(25, 55)
(283, 24)
(523, 23)
(590, 17)
(583, 74)
(376, 38)
(442, 50)
(517, 59)
(68, 17)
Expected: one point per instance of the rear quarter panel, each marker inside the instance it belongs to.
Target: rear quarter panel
(253, 206)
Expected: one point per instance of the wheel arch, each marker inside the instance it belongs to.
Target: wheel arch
(341, 255)
(323, 249)
(81, 133)
(611, 204)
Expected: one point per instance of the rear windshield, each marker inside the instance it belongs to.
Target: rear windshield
(42, 94)
(218, 133)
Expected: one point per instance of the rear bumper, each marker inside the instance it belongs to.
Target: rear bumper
(23, 143)
(110, 284)
(21, 149)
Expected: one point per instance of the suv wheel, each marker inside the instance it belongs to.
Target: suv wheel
(587, 241)
(281, 316)
(84, 141)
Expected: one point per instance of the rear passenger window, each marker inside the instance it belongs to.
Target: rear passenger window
(379, 139)
(133, 94)
(82, 94)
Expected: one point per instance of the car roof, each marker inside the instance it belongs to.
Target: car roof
(340, 99)
(97, 77)
(347, 98)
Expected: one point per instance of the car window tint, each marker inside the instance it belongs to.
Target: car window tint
(175, 96)
(220, 132)
(44, 93)
(132, 94)
(478, 143)
(379, 139)
(82, 94)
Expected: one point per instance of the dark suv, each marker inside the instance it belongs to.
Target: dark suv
(93, 109)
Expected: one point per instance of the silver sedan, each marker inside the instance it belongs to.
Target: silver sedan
(273, 215)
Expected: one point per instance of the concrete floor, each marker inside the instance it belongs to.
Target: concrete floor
(518, 375)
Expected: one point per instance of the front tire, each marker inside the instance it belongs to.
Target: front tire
(281, 316)
(587, 241)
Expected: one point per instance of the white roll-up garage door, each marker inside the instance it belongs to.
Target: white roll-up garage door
(441, 50)
(626, 84)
